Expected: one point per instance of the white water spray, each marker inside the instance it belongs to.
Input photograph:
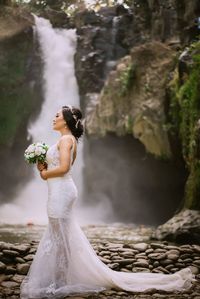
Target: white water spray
(60, 88)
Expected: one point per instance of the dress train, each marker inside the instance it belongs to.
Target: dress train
(65, 262)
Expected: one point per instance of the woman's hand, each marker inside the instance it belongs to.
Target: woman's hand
(43, 174)
(41, 166)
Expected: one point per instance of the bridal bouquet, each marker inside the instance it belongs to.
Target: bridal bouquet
(36, 152)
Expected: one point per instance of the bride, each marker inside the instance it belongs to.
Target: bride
(65, 262)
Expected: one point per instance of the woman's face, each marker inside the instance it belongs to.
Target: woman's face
(58, 121)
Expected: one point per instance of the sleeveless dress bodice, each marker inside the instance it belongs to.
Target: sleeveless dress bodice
(62, 191)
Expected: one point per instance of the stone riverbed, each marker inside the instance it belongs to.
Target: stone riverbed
(122, 248)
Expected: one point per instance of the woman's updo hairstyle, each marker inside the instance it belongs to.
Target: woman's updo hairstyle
(73, 116)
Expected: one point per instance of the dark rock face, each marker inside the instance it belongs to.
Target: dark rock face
(118, 170)
(108, 35)
(105, 37)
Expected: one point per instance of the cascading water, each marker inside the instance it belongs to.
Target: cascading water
(60, 88)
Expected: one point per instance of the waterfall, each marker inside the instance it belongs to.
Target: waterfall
(60, 88)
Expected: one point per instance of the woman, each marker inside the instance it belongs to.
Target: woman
(65, 263)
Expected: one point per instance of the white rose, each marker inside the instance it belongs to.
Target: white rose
(38, 151)
(32, 155)
(31, 148)
(39, 144)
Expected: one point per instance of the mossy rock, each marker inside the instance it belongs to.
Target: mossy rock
(185, 118)
(133, 99)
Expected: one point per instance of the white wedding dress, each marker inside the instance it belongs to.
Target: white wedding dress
(65, 262)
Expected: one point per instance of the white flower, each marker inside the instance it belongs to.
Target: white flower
(39, 144)
(31, 155)
(31, 148)
(38, 151)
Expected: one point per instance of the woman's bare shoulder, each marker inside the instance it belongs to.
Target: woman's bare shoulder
(68, 139)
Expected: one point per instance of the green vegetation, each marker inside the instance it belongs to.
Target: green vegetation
(126, 79)
(185, 118)
(15, 98)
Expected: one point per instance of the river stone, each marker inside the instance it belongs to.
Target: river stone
(127, 254)
(157, 245)
(23, 268)
(169, 267)
(17, 278)
(140, 246)
(160, 250)
(186, 250)
(197, 262)
(124, 270)
(171, 247)
(116, 257)
(141, 263)
(4, 245)
(179, 265)
(195, 270)
(156, 264)
(10, 270)
(2, 267)
(174, 270)
(6, 260)
(106, 257)
(196, 248)
(114, 265)
(185, 256)
(188, 261)
(173, 257)
(20, 260)
(22, 248)
(9, 284)
(29, 257)
(106, 261)
(139, 269)
(157, 256)
(125, 261)
(166, 262)
(10, 252)
(162, 270)
(173, 251)
(150, 250)
(103, 252)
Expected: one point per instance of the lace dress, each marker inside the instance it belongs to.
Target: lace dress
(65, 262)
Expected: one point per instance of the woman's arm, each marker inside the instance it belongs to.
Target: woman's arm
(65, 145)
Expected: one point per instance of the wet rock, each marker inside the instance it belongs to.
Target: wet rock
(125, 261)
(157, 256)
(140, 269)
(106, 261)
(17, 278)
(2, 267)
(184, 227)
(29, 257)
(20, 260)
(10, 270)
(9, 284)
(166, 262)
(23, 268)
(141, 263)
(22, 248)
(140, 246)
(172, 256)
(10, 252)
